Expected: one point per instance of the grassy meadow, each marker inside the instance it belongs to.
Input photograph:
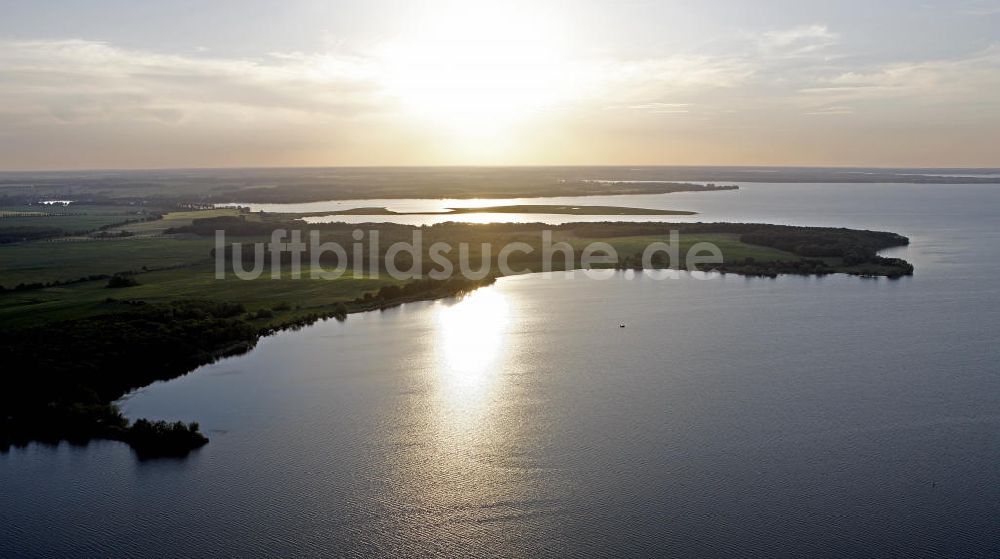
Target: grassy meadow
(169, 258)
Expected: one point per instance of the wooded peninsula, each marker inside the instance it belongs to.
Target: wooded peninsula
(122, 296)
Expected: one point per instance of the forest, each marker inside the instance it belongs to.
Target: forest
(61, 379)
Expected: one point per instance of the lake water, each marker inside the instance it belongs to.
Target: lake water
(733, 417)
(847, 205)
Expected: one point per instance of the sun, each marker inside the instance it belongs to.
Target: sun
(476, 69)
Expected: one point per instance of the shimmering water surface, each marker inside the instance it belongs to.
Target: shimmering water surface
(733, 417)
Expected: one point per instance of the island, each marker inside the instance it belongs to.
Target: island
(567, 210)
(552, 209)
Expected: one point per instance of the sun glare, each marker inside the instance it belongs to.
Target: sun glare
(472, 333)
(476, 69)
(468, 378)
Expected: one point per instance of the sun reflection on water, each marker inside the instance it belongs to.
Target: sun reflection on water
(454, 466)
(471, 339)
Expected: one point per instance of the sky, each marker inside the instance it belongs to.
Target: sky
(105, 84)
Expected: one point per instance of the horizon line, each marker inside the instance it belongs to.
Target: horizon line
(495, 166)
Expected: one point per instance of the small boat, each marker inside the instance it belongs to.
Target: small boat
(621, 324)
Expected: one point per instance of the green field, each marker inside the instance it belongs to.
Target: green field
(72, 218)
(83, 299)
(176, 219)
(179, 266)
(66, 260)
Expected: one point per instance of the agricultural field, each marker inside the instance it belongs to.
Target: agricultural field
(74, 218)
(171, 259)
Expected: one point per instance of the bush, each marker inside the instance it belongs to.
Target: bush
(160, 438)
(340, 312)
(121, 280)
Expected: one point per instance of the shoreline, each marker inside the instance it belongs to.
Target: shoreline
(71, 391)
(531, 209)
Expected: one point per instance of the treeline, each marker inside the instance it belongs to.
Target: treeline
(60, 380)
(235, 225)
(891, 268)
(118, 281)
(92, 277)
(852, 245)
(152, 439)
(57, 283)
(22, 233)
(79, 423)
(817, 250)
(856, 250)
(417, 290)
(105, 356)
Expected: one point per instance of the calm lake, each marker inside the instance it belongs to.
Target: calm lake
(733, 417)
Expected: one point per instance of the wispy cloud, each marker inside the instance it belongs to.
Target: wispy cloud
(945, 80)
(836, 110)
(76, 80)
(97, 97)
(658, 108)
(682, 71)
(980, 7)
(797, 41)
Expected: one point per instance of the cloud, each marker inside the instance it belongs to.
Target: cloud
(77, 81)
(683, 71)
(104, 104)
(71, 81)
(662, 108)
(933, 81)
(797, 41)
(643, 84)
(752, 71)
(832, 111)
(980, 7)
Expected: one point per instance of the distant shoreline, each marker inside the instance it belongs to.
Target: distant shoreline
(515, 209)
(207, 187)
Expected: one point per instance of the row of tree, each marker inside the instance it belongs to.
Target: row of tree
(60, 380)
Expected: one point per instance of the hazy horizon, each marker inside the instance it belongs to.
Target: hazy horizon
(178, 85)
(985, 170)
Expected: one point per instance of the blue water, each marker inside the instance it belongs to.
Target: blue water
(733, 417)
